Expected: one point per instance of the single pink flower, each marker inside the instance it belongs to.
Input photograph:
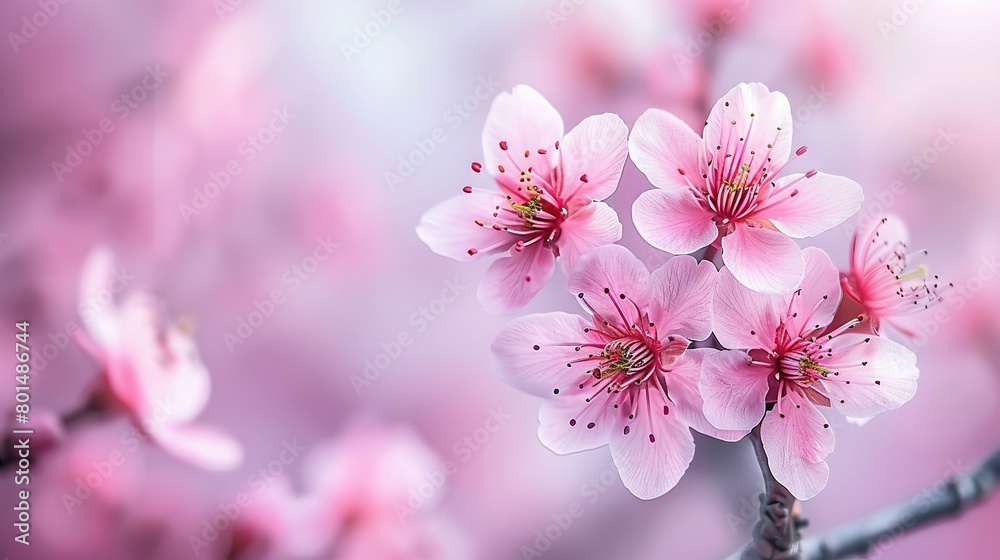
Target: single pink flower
(787, 357)
(884, 279)
(624, 376)
(724, 188)
(153, 374)
(547, 205)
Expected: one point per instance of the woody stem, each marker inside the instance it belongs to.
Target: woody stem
(776, 533)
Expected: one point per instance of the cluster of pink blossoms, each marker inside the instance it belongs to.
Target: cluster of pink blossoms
(795, 336)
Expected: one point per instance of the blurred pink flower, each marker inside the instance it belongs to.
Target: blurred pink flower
(722, 188)
(786, 358)
(625, 377)
(155, 375)
(547, 206)
(883, 278)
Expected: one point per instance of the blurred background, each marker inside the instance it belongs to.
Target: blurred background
(228, 149)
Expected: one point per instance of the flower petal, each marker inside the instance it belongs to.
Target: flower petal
(202, 446)
(450, 228)
(743, 318)
(95, 282)
(797, 439)
(683, 382)
(815, 303)
(512, 281)
(568, 423)
(734, 390)
(682, 297)
(525, 122)
(662, 146)
(595, 148)
(603, 275)
(803, 207)
(750, 118)
(532, 352)
(673, 221)
(763, 260)
(882, 374)
(594, 225)
(657, 449)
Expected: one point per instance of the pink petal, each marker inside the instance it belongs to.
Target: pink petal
(594, 225)
(682, 297)
(743, 318)
(450, 228)
(880, 360)
(876, 241)
(202, 446)
(100, 317)
(763, 260)
(532, 353)
(683, 381)
(815, 303)
(804, 207)
(673, 221)
(797, 439)
(512, 281)
(770, 111)
(176, 389)
(663, 147)
(603, 275)
(525, 122)
(734, 391)
(595, 148)
(568, 423)
(657, 449)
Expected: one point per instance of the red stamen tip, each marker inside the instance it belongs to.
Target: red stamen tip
(477, 167)
(473, 251)
(801, 151)
(467, 189)
(583, 178)
(503, 145)
(811, 173)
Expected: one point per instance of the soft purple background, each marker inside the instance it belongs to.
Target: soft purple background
(873, 86)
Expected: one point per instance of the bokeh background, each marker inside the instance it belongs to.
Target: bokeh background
(348, 120)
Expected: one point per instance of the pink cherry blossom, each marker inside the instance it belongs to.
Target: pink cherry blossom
(548, 204)
(725, 188)
(623, 376)
(786, 356)
(884, 279)
(153, 374)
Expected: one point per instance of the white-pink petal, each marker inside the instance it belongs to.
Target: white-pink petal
(882, 374)
(682, 297)
(763, 259)
(673, 221)
(743, 318)
(815, 303)
(801, 206)
(567, 423)
(512, 281)
(531, 353)
(450, 228)
(525, 122)
(606, 273)
(734, 390)
(666, 150)
(594, 225)
(797, 438)
(595, 149)
(683, 382)
(202, 446)
(750, 118)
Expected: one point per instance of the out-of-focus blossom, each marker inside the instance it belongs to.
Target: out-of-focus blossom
(786, 358)
(723, 188)
(883, 278)
(548, 205)
(155, 375)
(625, 377)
